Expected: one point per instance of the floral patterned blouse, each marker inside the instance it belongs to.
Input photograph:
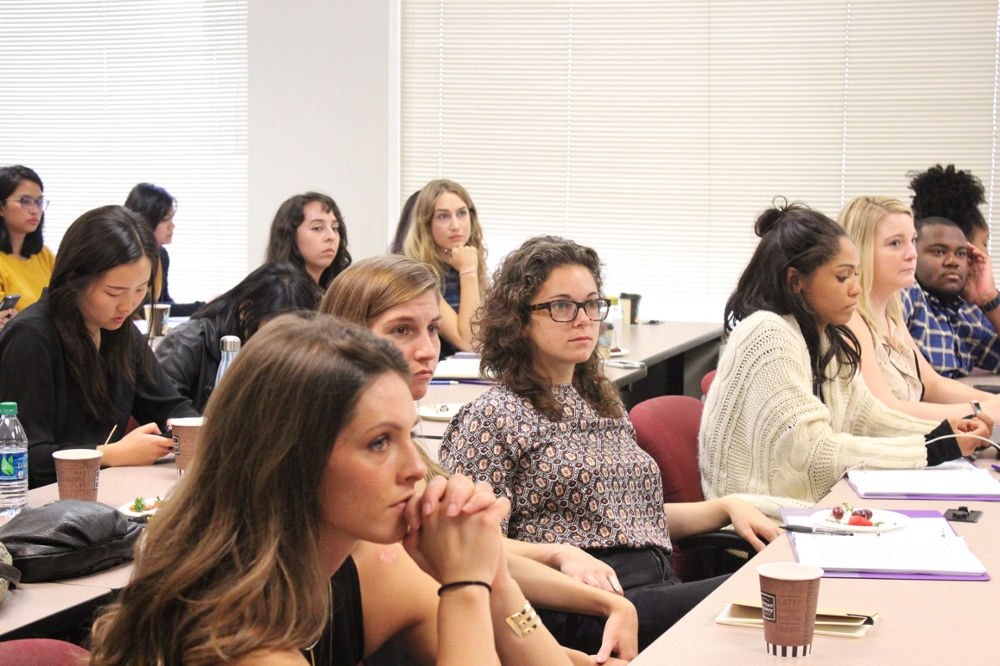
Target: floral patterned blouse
(582, 481)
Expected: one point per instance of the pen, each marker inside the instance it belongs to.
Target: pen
(442, 382)
(996, 467)
(811, 530)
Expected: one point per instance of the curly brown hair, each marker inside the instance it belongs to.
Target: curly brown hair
(508, 354)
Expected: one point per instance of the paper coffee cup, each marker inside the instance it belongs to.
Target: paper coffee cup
(185, 433)
(789, 593)
(78, 472)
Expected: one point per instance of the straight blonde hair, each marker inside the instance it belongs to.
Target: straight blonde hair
(860, 219)
(419, 244)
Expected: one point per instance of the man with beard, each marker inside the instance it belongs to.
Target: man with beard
(953, 312)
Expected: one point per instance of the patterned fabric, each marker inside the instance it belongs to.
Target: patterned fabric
(582, 481)
(955, 336)
(899, 365)
(766, 439)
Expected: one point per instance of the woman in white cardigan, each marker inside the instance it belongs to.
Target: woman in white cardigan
(788, 413)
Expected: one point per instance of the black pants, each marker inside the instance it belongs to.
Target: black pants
(649, 582)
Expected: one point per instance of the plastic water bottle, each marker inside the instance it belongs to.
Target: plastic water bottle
(614, 320)
(13, 463)
(230, 345)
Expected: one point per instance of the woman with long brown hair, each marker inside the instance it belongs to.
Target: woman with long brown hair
(308, 231)
(74, 363)
(445, 234)
(554, 438)
(306, 450)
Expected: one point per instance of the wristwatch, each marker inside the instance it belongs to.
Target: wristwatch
(976, 407)
(992, 305)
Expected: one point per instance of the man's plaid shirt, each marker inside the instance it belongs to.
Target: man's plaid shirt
(955, 336)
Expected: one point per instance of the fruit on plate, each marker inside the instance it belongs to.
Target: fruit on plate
(859, 521)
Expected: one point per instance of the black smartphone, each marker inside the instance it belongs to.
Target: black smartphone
(9, 301)
(989, 388)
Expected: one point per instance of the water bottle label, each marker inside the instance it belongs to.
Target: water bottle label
(13, 466)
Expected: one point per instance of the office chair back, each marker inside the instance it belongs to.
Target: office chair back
(42, 652)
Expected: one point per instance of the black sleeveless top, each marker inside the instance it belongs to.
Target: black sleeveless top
(343, 639)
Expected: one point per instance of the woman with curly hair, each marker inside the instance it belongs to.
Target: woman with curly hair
(308, 231)
(306, 451)
(445, 234)
(554, 438)
(954, 195)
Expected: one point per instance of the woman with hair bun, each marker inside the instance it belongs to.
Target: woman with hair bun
(74, 363)
(788, 413)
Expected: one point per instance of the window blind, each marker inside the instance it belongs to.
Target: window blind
(657, 131)
(101, 95)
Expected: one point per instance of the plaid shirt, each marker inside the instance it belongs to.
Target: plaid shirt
(955, 336)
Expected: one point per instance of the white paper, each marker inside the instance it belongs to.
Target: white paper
(457, 368)
(953, 482)
(906, 552)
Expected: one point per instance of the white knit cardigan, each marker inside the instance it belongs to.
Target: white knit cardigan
(767, 439)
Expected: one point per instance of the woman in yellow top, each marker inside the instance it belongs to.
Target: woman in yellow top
(25, 263)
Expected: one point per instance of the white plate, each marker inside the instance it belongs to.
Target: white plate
(621, 352)
(127, 508)
(890, 520)
(440, 412)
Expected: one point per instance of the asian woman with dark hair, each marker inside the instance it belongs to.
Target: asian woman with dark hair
(25, 263)
(788, 413)
(308, 232)
(190, 354)
(73, 362)
(158, 208)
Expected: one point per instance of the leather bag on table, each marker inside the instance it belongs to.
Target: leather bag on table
(67, 539)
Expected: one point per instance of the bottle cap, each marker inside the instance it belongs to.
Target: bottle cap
(8, 408)
(230, 343)
(613, 299)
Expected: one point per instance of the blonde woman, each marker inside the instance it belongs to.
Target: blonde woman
(893, 368)
(445, 234)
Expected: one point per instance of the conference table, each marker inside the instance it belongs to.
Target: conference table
(676, 354)
(920, 622)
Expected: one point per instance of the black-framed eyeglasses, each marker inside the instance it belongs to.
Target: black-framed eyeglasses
(562, 311)
(27, 202)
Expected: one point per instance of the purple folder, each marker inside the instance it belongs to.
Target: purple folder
(943, 498)
(918, 513)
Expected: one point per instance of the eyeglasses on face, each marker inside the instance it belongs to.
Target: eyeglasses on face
(560, 310)
(27, 203)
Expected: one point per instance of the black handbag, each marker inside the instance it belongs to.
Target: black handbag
(67, 539)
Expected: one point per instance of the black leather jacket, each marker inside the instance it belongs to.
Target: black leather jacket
(190, 355)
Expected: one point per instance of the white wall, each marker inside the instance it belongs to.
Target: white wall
(320, 114)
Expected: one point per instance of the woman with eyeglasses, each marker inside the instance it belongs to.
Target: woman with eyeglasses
(553, 437)
(25, 263)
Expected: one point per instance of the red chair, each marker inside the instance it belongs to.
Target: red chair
(42, 652)
(706, 382)
(667, 429)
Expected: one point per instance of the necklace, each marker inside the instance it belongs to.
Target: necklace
(311, 648)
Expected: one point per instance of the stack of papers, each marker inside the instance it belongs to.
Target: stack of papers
(926, 548)
(960, 481)
(458, 367)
